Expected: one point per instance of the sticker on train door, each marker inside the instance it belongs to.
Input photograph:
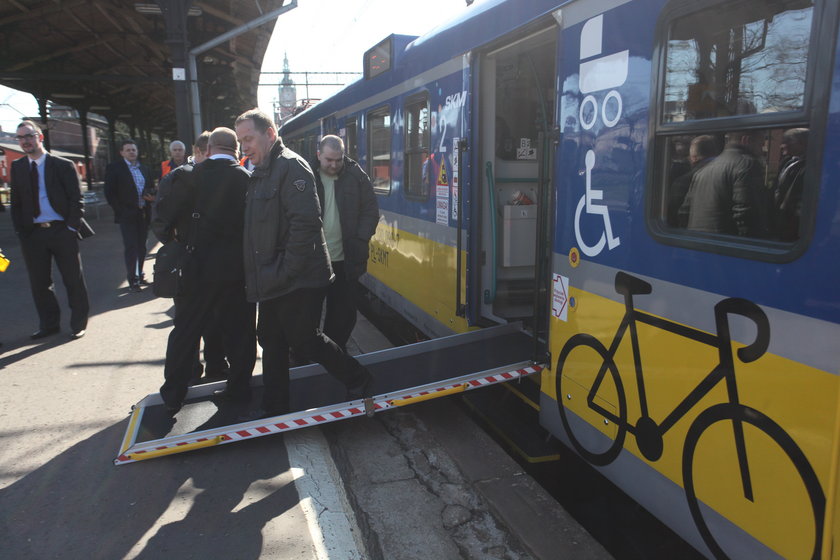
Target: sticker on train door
(560, 297)
(442, 192)
(455, 162)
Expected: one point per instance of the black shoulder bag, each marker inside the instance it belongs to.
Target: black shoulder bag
(171, 262)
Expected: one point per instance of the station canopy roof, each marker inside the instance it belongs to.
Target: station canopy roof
(112, 57)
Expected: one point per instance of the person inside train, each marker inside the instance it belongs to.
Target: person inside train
(728, 195)
(789, 184)
(701, 150)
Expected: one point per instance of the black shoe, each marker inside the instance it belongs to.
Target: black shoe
(144, 282)
(43, 333)
(134, 287)
(76, 335)
(234, 396)
(172, 409)
(363, 389)
(261, 414)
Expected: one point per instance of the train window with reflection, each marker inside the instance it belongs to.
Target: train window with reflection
(351, 140)
(379, 149)
(418, 169)
(732, 128)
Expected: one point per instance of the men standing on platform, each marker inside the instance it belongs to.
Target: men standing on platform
(211, 199)
(47, 209)
(287, 268)
(177, 158)
(350, 214)
(128, 187)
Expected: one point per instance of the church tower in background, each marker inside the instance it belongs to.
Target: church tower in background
(287, 94)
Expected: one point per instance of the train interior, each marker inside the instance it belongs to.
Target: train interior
(517, 105)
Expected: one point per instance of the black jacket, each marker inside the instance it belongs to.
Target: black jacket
(64, 192)
(173, 224)
(121, 191)
(284, 242)
(357, 210)
(215, 189)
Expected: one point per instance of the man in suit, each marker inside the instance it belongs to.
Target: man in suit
(215, 190)
(128, 189)
(47, 210)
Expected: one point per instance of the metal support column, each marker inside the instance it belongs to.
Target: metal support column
(112, 137)
(42, 110)
(83, 125)
(175, 17)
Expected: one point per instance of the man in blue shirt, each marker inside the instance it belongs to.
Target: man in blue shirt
(47, 210)
(129, 190)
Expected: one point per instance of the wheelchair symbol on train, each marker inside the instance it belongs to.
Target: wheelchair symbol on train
(598, 74)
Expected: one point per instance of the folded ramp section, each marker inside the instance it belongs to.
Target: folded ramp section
(402, 376)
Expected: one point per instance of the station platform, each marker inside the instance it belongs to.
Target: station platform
(428, 482)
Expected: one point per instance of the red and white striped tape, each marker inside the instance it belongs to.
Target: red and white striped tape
(333, 416)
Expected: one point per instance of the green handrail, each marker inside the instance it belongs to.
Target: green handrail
(492, 187)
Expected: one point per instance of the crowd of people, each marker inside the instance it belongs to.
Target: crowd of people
(272, 239)
(727, 192)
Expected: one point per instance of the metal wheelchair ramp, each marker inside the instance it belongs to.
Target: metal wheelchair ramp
(402, 376)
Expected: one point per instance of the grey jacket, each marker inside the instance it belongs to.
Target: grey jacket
(728, 195)
(284, 244)
(358, 212)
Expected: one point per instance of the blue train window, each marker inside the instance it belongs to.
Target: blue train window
(379, 149)
(419, 174)
(732, 128)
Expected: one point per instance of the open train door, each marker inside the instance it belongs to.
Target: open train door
(510, 277)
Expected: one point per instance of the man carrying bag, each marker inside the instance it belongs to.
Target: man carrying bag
(212, 201)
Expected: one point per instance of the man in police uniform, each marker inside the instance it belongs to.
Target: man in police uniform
(287, 269)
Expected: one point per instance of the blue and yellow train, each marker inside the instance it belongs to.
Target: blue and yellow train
(653, 188)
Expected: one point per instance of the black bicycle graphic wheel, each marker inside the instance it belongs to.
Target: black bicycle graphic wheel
(729, 412)
(583, 438)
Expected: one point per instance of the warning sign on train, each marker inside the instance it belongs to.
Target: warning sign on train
(442, 195)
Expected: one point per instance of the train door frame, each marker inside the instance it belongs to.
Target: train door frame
(533, 208)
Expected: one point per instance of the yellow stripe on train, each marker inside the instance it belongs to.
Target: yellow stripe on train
(421, 270)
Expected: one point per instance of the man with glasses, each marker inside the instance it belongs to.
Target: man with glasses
(47, 209)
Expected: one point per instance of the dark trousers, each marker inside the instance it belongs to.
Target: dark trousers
(342, 306)
(214, 351)
(39, 248)
(291, 321)
(214, 346)
(134, 232)
(237, 318)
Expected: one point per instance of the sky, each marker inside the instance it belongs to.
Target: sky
(317, 35)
